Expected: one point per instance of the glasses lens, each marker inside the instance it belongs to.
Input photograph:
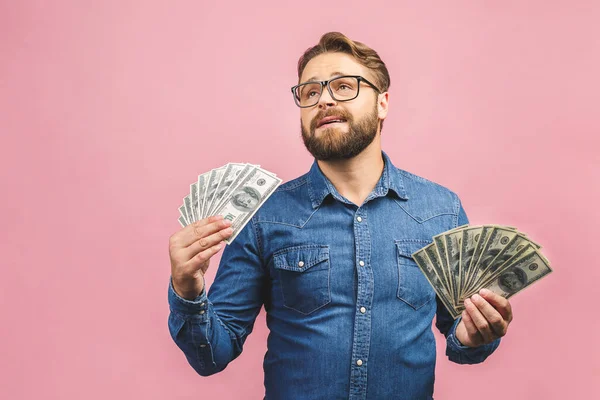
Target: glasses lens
(344, 88)
(308, 94)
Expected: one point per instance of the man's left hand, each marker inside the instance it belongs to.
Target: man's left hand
(485, 319)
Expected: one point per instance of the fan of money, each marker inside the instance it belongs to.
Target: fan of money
(461, 261)
(235, 190)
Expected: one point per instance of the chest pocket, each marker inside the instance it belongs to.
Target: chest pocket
(303, 272)
(413, 287)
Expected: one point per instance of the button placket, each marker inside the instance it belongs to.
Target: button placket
(362, 324)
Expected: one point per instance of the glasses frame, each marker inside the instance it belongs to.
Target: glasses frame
(326, 83)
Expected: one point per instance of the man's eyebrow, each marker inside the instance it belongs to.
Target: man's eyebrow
(314, 78)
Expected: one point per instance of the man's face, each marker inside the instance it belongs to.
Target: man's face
(341, 140)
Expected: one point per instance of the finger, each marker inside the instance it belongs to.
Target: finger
(471, 328)
(495, 320)
(204, 228)
(204, 256)
(208, 242)
(500, 303)
(184, 237)
(479, 320)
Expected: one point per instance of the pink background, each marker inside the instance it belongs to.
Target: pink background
(109, 110)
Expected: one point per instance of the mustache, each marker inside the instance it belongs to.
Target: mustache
(329, 113)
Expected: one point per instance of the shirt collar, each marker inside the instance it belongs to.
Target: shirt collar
(319, 186)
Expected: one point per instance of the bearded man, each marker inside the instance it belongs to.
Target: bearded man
(329, 256)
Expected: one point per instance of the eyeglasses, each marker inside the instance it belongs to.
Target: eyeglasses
(341, 88)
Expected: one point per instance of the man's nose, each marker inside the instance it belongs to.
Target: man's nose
(326, 99)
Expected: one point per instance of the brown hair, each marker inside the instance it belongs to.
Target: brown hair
(336, 42)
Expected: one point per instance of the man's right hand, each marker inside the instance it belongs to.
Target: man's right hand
(190, 251)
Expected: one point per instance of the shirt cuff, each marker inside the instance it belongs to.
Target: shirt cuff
(453, 340)
(461, 354)
(197, 307)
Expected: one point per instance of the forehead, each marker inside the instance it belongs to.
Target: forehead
(324, 66)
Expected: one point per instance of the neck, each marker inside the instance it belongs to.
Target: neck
(356, 178)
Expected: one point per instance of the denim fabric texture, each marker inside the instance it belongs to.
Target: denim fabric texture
(348, 310)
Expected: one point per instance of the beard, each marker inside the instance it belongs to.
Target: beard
(334, 145)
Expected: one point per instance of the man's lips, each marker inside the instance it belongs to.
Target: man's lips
(330, 120)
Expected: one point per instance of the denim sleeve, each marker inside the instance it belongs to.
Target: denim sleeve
(455, 351)
(211, 329)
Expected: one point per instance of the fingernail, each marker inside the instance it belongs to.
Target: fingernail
(484, 292)
(227, 222)
(476, 297)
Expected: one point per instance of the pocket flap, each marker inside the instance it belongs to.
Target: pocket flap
(406, 247)
(300, 258)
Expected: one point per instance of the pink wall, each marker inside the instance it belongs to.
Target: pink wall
(108, 110)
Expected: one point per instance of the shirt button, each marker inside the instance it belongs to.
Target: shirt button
(359, 219)
(301, 264)
(201, 311)
(359, 362)
(363, 310)
(361, 263)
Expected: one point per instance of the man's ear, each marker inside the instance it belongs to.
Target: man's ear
(382, 105)
(382, 109)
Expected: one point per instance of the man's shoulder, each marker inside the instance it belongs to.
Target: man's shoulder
(292, 185)
(419, 188)
(418, 182)
(290, 201)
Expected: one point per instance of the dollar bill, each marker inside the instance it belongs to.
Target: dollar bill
(211, 188)
(499, 264)
(183, 213)
(498, 239)
(426, 266)
(236, 188)
(231, 177)
(467, 249)
(520, 274)
(200, 191)
(435, 260)
(517, 247)
(187, 202)
(453, 242)
(461, 261)
(214, 193)
(450, 271)
(194, 201)
(204, 192)
(254, 189)
(480, 241)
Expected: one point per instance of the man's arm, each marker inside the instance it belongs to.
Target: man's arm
(211, 330)
(455, 350)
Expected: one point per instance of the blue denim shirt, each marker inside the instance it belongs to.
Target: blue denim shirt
(349, 312)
